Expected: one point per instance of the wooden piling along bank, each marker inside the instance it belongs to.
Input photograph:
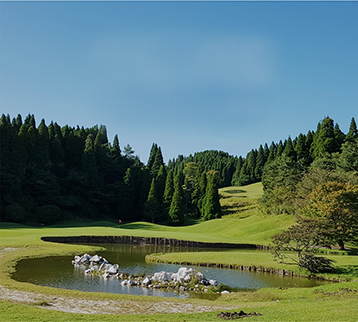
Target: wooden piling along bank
(158, 241)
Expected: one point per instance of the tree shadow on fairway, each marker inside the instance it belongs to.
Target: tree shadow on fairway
(142, 226)
(347, 270)
(235, 191)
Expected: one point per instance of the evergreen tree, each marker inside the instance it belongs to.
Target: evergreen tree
(300, 148)
(272, 153)
(169, 188)
(153, 153)
(266, 152)
(353, 132)
(211, 204)
(158, 162)
(116, 145)
(280, 149)
(339, 137)
(176, 210)
(129, 152)
(289, 150)
(324, 139)
(161, 178)
(236, 175)
(260, 162)
(152, 208)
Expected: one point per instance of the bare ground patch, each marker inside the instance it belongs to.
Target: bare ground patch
(84, 306)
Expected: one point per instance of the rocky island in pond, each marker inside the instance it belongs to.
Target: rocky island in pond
(185, 279)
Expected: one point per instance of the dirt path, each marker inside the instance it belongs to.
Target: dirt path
(74, 305)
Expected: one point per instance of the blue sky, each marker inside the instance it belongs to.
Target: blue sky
(189, 76)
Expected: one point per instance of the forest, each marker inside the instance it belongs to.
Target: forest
(51, 173)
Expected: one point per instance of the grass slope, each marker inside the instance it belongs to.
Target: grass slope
(241, 224)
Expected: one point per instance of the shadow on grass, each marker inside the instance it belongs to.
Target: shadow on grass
(142, 226)
(65, 224)
(347, 270)
(235, 191)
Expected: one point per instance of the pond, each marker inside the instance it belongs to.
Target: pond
(59, 272)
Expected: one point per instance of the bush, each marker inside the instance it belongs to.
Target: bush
(48, 214)
(15, 213)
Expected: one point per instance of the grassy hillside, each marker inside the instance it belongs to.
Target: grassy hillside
(240, 224)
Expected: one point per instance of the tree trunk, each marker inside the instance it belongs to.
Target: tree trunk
(341, 244)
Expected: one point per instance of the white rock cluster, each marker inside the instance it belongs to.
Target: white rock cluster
(185, 279)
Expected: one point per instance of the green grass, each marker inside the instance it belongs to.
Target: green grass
(237, 201)
(244, 225)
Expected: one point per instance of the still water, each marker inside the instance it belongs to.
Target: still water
(60, 273)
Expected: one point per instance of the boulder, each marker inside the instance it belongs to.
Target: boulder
(112, 269)
(96, 259)
(162, 276)
(213, 282)
(146, 281)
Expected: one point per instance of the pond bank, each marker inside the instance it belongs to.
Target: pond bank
(158, 241)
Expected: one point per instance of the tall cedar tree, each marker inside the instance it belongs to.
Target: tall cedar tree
(152, 207)
(169, 188)
(176, 210)
(211, 204)
(353, 132)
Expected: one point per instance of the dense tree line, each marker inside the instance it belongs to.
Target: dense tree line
(318, 157)
(317, 182)
(51, 173)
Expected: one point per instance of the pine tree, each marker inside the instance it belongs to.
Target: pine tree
(280, 149)
(339, 138)
(260, 162)
(158, 162)
(324, 139)
(161, 178)
(152, 208)
(176, 211)
(266, 152)
(116, 144)
(300, 148)
(272, 153)
(353, 132)
(236, 175)
(211, 204)
(153, 153)
(289, 151)
(129, 152)
(169, 188)
(43, 145)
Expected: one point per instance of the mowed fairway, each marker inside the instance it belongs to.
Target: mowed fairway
(242, 224)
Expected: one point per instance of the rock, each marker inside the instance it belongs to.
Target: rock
(131, 283)
(146, 281)
(162, 276)
(96, 259)
(182, 288)
(205, 282)
(89, 271)
(112, 269)
(213, 283)
(225, 292)
(77, 259)
(124, 282)
(84, 259)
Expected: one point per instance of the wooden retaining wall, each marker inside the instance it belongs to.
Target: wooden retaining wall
(160, 241)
